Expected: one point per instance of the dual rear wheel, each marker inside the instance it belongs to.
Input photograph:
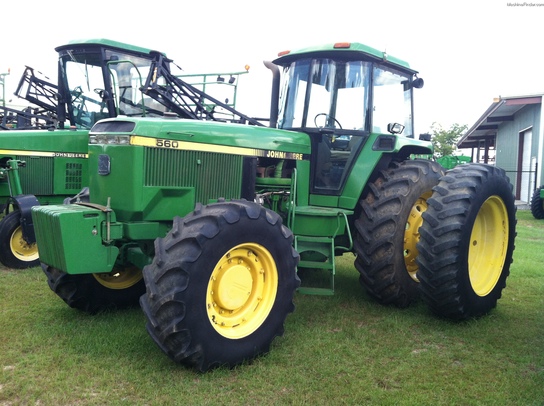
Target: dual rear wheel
(387, 230)
(467, 241)
(448, 238)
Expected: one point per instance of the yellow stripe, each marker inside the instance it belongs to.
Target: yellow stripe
(223, 149)
(192, 146)
(44, 153)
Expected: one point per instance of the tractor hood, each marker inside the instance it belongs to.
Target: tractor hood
(207, 136)
(44, 143)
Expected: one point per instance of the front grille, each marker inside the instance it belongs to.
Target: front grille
(212, 175)
(37, 177)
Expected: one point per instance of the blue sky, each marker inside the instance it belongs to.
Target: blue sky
(468, 52)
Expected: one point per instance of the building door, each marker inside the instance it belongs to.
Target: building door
(523, 184)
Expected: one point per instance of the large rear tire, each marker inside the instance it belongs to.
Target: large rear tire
(15, 252)
(467, 241)
(93, 293)
(537, 204)
(387, 230)
(221, 285)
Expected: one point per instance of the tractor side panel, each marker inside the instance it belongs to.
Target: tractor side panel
(169, 182)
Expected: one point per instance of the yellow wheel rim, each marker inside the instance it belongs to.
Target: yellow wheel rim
(412, 236)
(119, 278)
(242, 290)
(488, 246)
(22, 250)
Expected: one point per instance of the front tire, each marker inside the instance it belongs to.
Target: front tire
(387, 230)
(537, 205)
(221, 285)
(467, 241)
(93, 293)
(15, 252)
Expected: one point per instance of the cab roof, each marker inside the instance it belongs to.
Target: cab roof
(342, 50)
(107, 43)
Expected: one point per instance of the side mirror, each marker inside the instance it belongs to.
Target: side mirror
(395, 128)
(417, 83)
(425, 137)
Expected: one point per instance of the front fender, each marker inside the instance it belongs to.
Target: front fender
(25, 204)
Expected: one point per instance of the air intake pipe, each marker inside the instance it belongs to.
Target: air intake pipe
(274, 99)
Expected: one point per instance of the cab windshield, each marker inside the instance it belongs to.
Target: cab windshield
(339, 103)
(326, 93)
(105, 85)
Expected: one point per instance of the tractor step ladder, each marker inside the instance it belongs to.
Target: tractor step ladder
(315, 229)
(323, 246)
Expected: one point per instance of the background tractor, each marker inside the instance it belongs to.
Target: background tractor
(45, 161)
(537, 203)
(212, 227)
(35, 88)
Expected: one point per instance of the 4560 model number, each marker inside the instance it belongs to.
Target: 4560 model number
(166, 143)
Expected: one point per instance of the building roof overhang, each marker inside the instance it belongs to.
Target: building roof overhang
(502, 109)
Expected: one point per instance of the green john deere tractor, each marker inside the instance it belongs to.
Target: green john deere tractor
(46, 162)
(47, 165)
(208, 225)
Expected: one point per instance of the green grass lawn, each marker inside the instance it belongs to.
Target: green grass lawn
(343, 349)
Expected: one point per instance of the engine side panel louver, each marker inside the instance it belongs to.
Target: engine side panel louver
(74, 176)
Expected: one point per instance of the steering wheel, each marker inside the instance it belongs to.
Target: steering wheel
(327, 118)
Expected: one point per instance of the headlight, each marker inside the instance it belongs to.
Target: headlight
(109, 139)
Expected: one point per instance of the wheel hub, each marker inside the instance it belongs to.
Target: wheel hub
(22, 250)
(233, 287)
(242, 290)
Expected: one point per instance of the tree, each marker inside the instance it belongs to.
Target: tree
(444, 141)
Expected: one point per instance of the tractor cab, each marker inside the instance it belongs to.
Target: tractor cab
(101, 79)
(344, 95)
